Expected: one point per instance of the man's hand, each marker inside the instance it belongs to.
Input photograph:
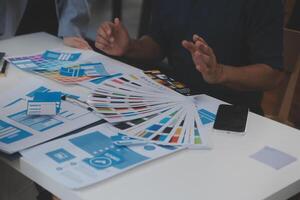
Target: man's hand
(113, 38)
(77, 42)
(205, 60)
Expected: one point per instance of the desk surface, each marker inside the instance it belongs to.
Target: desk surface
(226, 172)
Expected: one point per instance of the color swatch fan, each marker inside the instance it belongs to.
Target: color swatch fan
(148, 111)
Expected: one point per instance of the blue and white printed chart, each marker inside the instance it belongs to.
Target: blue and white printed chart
(69, 67)
(91, 156)
(207, 108)
(18, 130)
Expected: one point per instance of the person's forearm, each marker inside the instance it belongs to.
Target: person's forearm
(250, 78)
(144, 51)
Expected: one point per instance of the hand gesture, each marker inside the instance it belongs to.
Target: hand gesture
(205, 60)
(113, 38)
(77, 42)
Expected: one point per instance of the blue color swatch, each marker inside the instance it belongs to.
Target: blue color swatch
(52, 55)
(98, 81)
(206, 116)
(60, 155)
(71, 72)
(149, 147)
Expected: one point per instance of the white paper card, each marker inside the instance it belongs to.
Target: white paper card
(273, 158)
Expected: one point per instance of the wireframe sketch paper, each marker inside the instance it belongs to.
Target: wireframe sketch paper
(18, 130)
(91, 156)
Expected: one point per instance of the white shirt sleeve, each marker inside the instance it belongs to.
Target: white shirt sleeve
(73, 17)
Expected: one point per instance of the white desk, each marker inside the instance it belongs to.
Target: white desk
(226, 172)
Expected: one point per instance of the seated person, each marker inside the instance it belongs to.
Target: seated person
(231, 50)
(73, 18)
(66, 18)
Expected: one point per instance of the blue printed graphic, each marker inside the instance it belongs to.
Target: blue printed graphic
(48, 97)
(87, 69)
(98, 81)
(99, 145)
(52, 55)
(71, 72)
(10, 134)
(94, 69)
(99, 162)
(54, 95)
(41, 89)
(30, 94)
(206, 116)
(168, 147)
(71, 96)
(13, 102)
(60, 155)
(38, 123)
(44, 99)
(105, 160)
(119, 137)
(149, 147)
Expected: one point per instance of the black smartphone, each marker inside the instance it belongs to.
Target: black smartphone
(232, 118)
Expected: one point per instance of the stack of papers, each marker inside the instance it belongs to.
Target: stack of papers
(146, 110)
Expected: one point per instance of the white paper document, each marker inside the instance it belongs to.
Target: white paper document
(91, 156)
(273, 158)
(18, 130)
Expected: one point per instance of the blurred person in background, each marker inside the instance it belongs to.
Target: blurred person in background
(231, 50)
(67, 19)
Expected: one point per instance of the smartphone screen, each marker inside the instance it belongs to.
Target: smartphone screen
(231, 118)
